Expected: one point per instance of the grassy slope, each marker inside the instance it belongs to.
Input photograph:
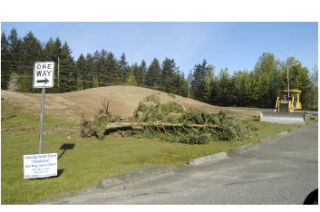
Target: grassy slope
(91, 159)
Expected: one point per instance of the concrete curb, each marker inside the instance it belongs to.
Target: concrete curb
(282, 133)
(246, 147)
(133, 177)
(267, 140)
(208, 159)
(293, 130)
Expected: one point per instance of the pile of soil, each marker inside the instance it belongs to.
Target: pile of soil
(123, 102)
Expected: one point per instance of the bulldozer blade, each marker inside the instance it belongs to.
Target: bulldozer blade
(283, 117)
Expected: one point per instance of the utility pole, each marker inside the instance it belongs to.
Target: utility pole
(189, 83)
(288, 76)
(58, 72)
(288, 80)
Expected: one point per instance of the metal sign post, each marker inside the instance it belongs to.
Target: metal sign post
(41, 165)
(42, 78)
(41, 119)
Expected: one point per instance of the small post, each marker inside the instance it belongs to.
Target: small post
(41, 118)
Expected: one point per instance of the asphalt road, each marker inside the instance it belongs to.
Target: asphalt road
(283, 172)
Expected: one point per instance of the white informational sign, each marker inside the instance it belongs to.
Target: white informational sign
(43, 73)
(40, 165)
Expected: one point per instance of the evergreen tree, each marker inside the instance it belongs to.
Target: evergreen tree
(138, 75)
(95, 69)
(68, 73)
(139, 72)
(172, 80)
(81, 72)
(100, 68)
(123, 67)
(180, 85)
(5, 62)
(167, 74)
(201, 79)
(153, 75)
(89, 74)
(52, 50)
(112, 70)
(15, 54)
(131, 80)
(214, 95)
(143, 68)
(14, 46)
(32, 52)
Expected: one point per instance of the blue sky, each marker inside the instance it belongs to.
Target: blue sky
(236, 46)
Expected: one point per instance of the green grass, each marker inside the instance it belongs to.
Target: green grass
(91, 159)
(311, 121)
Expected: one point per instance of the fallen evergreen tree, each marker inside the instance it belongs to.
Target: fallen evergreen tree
(173, 123)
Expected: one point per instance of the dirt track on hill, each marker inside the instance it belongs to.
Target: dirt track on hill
(123, 102)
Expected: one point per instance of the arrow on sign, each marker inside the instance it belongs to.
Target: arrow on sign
(45, 81)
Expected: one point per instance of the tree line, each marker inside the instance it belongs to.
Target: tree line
(255, 88)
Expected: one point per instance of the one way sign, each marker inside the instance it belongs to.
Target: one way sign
(43, 74)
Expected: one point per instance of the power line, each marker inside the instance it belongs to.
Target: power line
(99, 74)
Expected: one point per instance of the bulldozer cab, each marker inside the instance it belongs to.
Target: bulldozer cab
(289, 103)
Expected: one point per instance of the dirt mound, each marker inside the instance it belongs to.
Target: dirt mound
(123, 102)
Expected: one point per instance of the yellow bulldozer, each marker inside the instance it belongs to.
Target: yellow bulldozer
(290, 101)
(286, 109)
